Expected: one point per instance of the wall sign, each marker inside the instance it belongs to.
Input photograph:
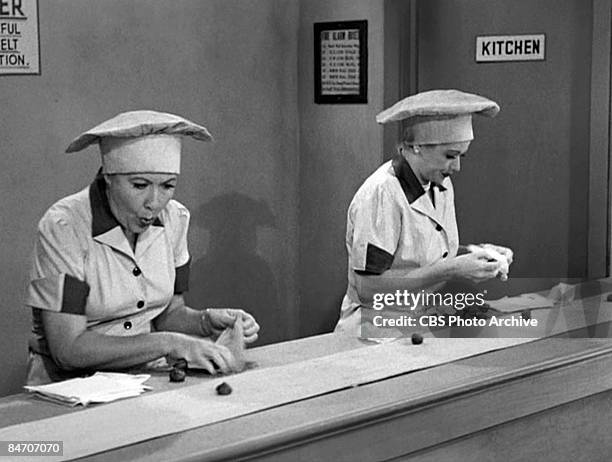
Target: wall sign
(491, 48)
(19, 40)
(341, 62)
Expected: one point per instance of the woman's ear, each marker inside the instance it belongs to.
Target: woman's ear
(402, 148)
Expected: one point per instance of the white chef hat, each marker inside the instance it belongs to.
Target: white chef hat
(140, 141)
(438, 116)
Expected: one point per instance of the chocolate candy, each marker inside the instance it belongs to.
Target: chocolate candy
(417, 339)
(180, 364)
(177, 375)
(223, 389)
(526, 315)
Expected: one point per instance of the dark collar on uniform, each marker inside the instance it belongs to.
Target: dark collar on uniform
(102, 219)
(412, 187)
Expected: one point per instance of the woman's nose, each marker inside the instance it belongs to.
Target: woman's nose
(153, 199)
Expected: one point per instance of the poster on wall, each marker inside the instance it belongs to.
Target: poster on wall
(341, 62)
(19, 39)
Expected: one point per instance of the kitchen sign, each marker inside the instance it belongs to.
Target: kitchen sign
(495, 48)
(19, 40)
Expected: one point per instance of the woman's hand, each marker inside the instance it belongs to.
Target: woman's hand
(201, 353)
(475, 266)
(501, 254)
(216, 320)
(505, 251)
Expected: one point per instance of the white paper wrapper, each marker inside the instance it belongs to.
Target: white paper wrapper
(233, 339)
(102, 387)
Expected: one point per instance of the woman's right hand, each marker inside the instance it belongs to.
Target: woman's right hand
(201, 353)
(475, 266)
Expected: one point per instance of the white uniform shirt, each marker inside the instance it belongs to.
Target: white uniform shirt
(393, 225)
(83, 264)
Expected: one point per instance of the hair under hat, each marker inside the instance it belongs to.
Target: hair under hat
(438, 116)
(140, 141)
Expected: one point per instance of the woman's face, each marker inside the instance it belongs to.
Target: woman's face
(137, 199)
(440, 160)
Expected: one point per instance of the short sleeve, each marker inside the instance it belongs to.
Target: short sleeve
(376, 223)
(182, 259)
(57, 272)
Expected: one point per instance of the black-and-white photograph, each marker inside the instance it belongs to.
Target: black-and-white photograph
(306, 230)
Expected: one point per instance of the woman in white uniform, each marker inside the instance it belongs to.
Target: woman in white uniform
(401, 226)
(111, 264)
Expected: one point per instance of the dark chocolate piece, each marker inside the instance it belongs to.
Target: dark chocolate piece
(223, 389)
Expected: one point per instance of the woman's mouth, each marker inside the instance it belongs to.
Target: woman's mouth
(145, 222)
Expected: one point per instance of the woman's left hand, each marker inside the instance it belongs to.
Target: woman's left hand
(505, 251)
(216, 320)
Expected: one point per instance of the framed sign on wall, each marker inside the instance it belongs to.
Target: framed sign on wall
(341, 62)
(19, 38)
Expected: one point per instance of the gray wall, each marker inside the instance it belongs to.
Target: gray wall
(525, 180)
(228, 64)
(340, 145)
